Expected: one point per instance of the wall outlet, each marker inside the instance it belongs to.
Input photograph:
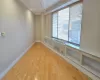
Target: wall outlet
(89, 78)
(3, 34)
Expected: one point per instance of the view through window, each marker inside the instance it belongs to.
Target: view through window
(67, 24)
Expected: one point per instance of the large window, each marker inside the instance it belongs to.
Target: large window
(66, 24)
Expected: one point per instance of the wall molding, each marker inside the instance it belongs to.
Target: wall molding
(15, 61)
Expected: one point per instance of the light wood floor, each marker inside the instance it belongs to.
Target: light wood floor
(40, 63)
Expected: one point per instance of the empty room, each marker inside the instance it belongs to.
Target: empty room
(49, 39)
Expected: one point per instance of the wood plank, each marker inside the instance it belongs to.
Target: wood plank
(40, 63)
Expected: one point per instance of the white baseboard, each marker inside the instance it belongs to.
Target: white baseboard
(82, 69)
(14, 62)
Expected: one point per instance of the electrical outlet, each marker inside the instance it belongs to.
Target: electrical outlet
(3, 34)
(89, 78)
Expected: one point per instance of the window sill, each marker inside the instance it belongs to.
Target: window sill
(72, 45)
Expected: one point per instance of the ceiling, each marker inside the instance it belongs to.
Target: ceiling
(38, 6)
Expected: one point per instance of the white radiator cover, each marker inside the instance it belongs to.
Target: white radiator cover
(89, 64)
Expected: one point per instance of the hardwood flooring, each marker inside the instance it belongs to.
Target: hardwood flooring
(40, 63)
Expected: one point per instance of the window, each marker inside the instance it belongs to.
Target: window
(66, 24)
(63, 24)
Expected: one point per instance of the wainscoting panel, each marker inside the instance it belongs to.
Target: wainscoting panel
(76, 56)
(92, 65)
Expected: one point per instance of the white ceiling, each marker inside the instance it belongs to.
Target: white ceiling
(38, 6)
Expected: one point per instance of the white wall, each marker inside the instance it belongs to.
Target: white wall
(42, 27)
(18, 24)
(38, 27)
(48, 25)
(90, 38)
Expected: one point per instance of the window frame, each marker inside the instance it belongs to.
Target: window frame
(80, 2)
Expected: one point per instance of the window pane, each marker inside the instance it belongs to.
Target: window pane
(75, 23)
(54, 23)
(63, 22)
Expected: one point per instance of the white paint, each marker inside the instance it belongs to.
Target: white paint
(18, 24)
(38, 28)
(42, 26)
(90, 38)
(14, 62)
(48, 25)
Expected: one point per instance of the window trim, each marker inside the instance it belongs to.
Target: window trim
(68, 24)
